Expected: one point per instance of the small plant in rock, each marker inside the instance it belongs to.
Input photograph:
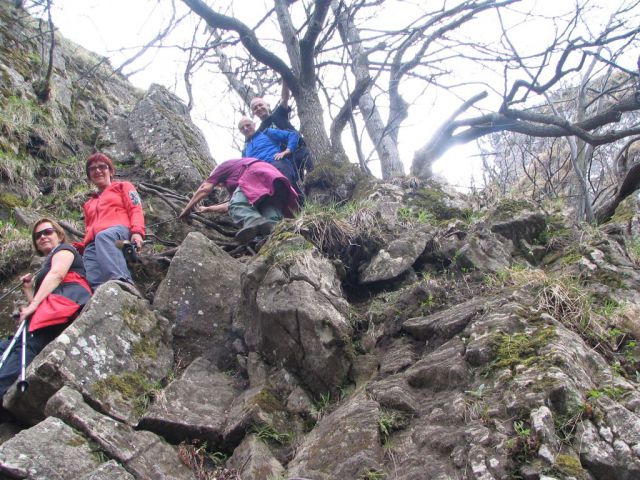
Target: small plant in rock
(321, 407)
(613, 393)
(524, 446)
(372, 475)
(205, 464)
(268, 434)
(390, 421)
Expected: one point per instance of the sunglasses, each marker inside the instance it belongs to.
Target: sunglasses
(44, 231)
(101, 167)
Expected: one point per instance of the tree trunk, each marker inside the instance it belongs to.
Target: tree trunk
(386, 147)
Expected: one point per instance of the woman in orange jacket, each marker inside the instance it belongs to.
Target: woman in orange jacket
(113, 213)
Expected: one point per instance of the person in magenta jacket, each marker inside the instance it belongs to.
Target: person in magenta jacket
(114, 212)
(260, 196)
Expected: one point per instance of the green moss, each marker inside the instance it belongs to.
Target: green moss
(132, 386)
(134, 316)
(145, 349)
(570, 466)
(625, 212)
(573, 256)
(338, 179)
(268, 402)
(285, 247)
(11, 201)
(520, 348)
(432, 203)
(507, 208)
(76, 441)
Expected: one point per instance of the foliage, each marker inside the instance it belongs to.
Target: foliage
(132, 386)
(520, 348)
(390, 421)
(15, 248)
(321, 407)
(269, 434)
(205, 464)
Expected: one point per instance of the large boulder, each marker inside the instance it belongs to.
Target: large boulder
(49, 450)
(143, 454)
(174, 150)
(254, 461)
(345, 444)
(397, 257)
(294, 313)
(199, 295)
(115, 353)
(195, 405)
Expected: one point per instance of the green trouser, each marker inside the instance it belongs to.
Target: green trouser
(242, 212)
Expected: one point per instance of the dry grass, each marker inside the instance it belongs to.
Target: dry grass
(333, 229)
(15, 249)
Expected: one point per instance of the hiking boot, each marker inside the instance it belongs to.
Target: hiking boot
(266, 228)
(249, 231)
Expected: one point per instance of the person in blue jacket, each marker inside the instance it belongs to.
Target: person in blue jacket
(272, 146)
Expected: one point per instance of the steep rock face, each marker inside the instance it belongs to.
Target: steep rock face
(294, 314)
(114, 353)
(173, 149)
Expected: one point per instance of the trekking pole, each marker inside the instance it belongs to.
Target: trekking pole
(23, 385)
(161, 223)
(5, 355)
(10, 291)
(17, 286)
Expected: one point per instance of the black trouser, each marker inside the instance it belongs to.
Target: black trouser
(285, 166)
(36, 341)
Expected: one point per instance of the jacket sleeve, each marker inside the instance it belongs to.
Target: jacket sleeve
(133, 205)
(289, 136)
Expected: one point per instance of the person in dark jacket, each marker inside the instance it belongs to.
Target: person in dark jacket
(279, 119)
(56, 294)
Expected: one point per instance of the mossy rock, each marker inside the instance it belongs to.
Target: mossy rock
(509, 208)
(432, 202)
(625, 212)
(10, 201)
(333, 182)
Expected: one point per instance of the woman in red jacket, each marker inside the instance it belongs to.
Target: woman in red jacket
(113, 213)
(55, 294)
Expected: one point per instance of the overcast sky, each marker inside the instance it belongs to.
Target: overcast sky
(105, 27)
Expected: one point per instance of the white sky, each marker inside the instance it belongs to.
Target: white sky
(107, 26)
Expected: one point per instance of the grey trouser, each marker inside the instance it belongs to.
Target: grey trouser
(104, 261)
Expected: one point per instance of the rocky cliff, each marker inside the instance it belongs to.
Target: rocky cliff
(403, 335)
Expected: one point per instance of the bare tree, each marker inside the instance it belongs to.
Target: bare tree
(568, 54)
(300, 77)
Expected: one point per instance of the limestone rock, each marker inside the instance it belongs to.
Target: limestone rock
(446, 323)
(174, 150)
(199, 295)
(115, 352)
(195, 405)
(254, 461)
(294, 315)
(144, 454)
(256, 407)
(345, 444)
(443, 369)
(396, 257)
(110, 470)
(50, 450)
